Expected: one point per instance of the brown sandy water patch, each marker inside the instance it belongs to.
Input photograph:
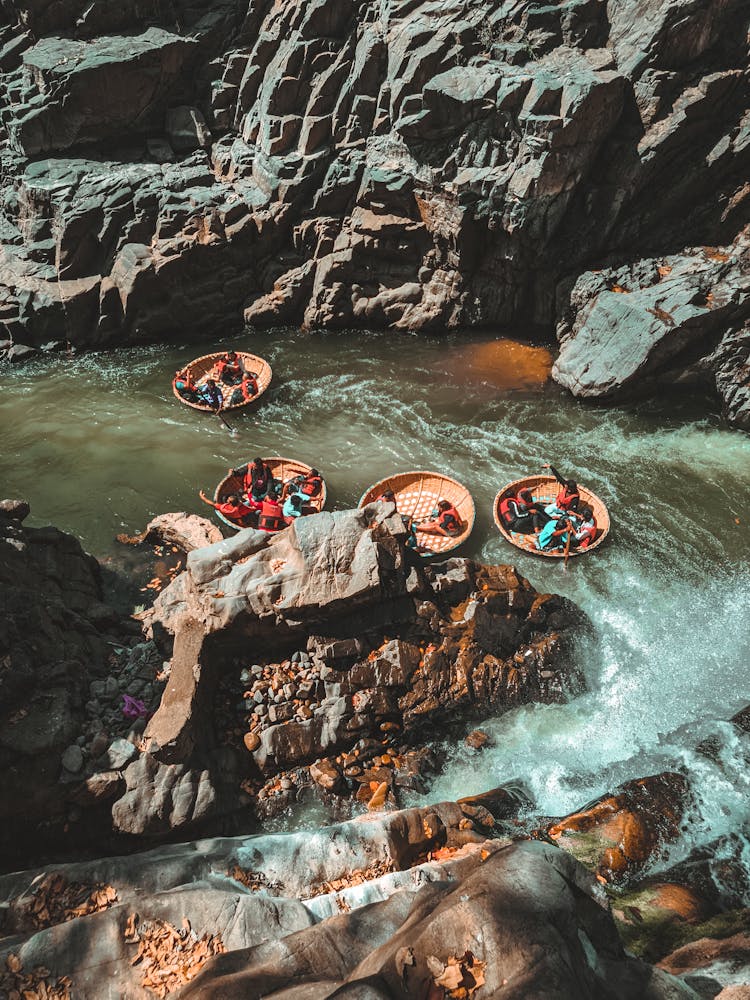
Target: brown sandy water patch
(502, 363)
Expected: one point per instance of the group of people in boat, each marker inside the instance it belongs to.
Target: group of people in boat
(444, 519)
(229, 371)
(266, 503)
(565, 523)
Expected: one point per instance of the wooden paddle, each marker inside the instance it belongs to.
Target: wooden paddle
(232, 430)
(567, 549)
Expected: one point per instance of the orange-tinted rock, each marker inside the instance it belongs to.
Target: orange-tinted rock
(664, 902)
(707, 951)
(618, 835)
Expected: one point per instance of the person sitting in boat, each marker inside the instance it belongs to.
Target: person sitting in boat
(271, 517)
(311, 485)
(585, 530)
(308, 486)
(444, 520)
(246, 390)
(229, 369)
(522, 513)
(293, 507)
(210, 395)
(257, 478)
(244, 513)
(555, 534)
(387, 496)
(567, 499)
(184, 384)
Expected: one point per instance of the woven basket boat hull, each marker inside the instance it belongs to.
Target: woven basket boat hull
(545, 489)
(417, 493)
(283, 469)
(204, 368)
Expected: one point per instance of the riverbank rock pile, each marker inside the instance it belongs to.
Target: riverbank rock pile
(362, 658)
(169, 167)
(77, 686)
(407, 903)
(57, 642)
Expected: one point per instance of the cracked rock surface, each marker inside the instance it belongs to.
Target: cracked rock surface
(168, 168)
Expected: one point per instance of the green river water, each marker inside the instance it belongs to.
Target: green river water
(98, 445)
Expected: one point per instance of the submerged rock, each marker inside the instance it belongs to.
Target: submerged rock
(619, 835)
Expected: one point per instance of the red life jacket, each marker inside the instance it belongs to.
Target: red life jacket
(312, 486)
(271, 517)
(590, 532)
(450, 521)
(235, 512)
(226, 366)
(565, 500)
(505, 512)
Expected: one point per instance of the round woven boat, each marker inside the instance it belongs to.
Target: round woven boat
(545, 489)
(417, 494)
(206, 367)
(283, 469)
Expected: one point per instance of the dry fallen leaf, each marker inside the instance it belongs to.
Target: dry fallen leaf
(451, 978)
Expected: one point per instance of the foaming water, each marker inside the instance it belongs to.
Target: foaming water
(99, 445)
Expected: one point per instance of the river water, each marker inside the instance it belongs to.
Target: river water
(98, 445)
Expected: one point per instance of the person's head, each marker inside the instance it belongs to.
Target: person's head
(257, 462)
(232, 355)
(296, 501)
(388, 495)
(444, 505)
(233, 498)
(314, 472)
(587, 513)
(525, 495)
(211, 382)
(572, 485)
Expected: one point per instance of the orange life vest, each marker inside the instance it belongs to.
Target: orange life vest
(590, 535)
(235, 512)
(271, 517)
(450, 520)
(311, 486)
(505, 511)
(565, 500)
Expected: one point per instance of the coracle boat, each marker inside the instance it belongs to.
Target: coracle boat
(283, 470)
(417, 494)
(545, 489)
(206, 367)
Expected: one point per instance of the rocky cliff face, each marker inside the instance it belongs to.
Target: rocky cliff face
(420, 165)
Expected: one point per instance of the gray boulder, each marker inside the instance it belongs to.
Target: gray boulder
(661, 322)
(529, 922)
